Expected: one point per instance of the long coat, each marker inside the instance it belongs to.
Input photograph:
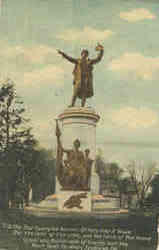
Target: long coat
(83, 76)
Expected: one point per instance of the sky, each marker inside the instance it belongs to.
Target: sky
(126, 81)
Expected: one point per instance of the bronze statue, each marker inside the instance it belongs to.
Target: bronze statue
(83, 77)
(71, 172)
(75, 201)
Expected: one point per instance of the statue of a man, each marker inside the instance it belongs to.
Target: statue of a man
(83, 77)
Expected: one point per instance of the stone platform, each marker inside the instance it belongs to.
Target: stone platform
(90, 205)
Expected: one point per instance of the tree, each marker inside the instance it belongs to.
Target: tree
(113, 176)
(141, 177)
(15, 139)
(109, 175)
(100, 166)
(126, 190)
(153, 198)
(43, 173)
(23, 164)
(12, 121)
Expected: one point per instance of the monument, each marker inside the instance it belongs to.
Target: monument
(77, 180)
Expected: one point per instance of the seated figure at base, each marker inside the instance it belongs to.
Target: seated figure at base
(73, 172)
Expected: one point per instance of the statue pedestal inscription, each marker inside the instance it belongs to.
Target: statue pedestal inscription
(76, 153)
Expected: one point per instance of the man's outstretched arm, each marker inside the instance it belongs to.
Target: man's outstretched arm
(99, 48)
(98, 58)
(69, 58)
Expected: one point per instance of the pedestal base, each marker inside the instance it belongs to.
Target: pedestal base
(106, 204)
(75, 201)
(76, 170)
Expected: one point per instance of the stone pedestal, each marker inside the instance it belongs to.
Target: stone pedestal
(79, 123)
(76, 154)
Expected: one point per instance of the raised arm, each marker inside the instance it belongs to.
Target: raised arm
(99, 48)
(69, 58)
(98, 58)
(59, 143)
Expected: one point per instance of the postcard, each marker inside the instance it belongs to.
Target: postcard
(79, 124)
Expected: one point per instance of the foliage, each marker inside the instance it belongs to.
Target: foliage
(43, 173)
(109, 175)
(22, 164)
(134, 182)
(141, 177)
(153, 198)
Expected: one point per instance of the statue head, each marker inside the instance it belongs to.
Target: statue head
(77, 143)
(87, 151)
(84, 53)
(66, 163)
(99, 47)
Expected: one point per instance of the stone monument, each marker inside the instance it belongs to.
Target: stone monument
(76, 151)
(77, 180)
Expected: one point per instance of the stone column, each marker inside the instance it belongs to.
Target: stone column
(80, 123)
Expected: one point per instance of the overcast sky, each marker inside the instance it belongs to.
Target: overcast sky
(126, 82)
